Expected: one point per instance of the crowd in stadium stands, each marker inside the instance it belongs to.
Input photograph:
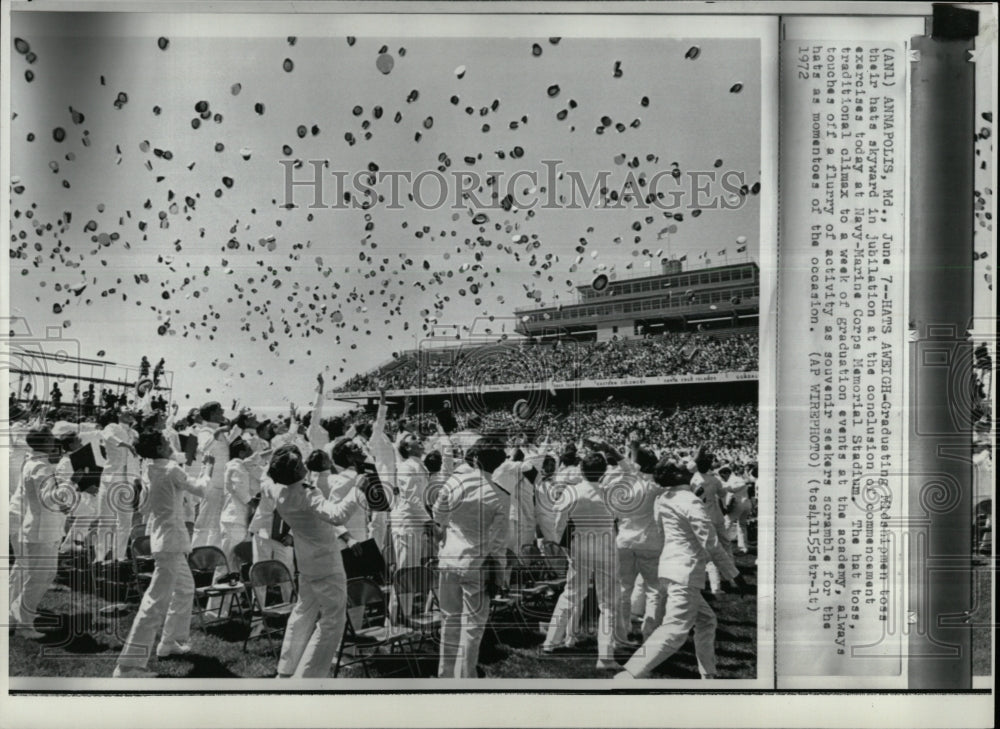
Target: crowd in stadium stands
(530, 361)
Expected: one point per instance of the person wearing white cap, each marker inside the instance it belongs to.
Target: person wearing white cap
(169, 599)
(689, 543)
(116, 495)
(44, 502)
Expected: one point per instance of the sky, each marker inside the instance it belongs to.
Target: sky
(185, 248)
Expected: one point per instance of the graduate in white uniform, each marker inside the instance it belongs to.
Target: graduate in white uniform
(471, 514)
(408, 519)
(84, 509)
(44, 503)
(265, 529)
(689, 543)
(738, 507)
(168, 601)
(346, 484)
(317, 622)
(639, 542)
(116, 494)
(241, 483)
(707, 487)
(592, 553)
(213, 440)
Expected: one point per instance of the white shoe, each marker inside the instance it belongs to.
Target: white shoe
(623, 676)
(172, 649)
(126, 672)
(608, 665)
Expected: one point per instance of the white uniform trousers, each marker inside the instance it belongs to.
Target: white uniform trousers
(642, 563)
(233, 534)
(411, 546)
(377, 528)
(714, 579)
(14, 535)
(685, 609)
(265, 548)
(114, 519)
(80, 522)
(591, 554)
(736, 525)
(315, 627)
(31, 578)
(167, 602)
(207, 537)
(465, 608)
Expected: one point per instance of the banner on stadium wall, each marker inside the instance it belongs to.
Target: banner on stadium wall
(716, 377)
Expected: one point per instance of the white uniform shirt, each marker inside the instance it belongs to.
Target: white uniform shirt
(635, 506)
(690, 540)
(19, 452)
(408, 505)
(313, 521)
(344, 486)
(210, 512)
(510, 477)
(167, 484)
(474, 514)
(738, 488)
(122, 465)
(263, 517)
(41, 518)
(586, 504)
(241, 483)
(708, 487)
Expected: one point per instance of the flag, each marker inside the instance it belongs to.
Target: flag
(741, 249)
(722, 252)
(684, 257)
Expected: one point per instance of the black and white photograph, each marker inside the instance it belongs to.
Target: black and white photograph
(343, 353)
(480, 363)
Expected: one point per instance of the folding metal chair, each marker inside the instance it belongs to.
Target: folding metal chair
(244, 557)
(204, 562)
(142, 567)
(415, 603)
(368, 628)
(265, 579)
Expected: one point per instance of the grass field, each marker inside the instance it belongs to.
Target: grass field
(81, 642)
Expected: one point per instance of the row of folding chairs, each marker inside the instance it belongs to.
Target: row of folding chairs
(401, 617)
